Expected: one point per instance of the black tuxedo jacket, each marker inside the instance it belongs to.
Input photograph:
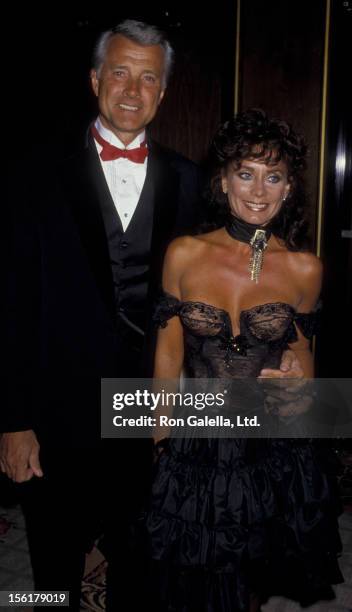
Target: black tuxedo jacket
(62, 335)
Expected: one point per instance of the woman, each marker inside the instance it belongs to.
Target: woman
(235, 521)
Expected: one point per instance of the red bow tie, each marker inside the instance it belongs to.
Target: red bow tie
(110, 152)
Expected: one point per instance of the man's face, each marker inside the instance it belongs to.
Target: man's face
(129, 86)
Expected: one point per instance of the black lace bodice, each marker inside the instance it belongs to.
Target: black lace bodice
(212, 350)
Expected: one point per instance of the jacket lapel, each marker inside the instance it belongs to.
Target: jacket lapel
(166, 191)
(87, 192)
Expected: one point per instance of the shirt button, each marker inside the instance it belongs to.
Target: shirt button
(126, 215)
(123, 244)
(124, 181)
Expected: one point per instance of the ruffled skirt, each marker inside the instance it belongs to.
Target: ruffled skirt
(230, 518)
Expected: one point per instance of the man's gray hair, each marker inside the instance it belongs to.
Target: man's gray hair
(140, 33)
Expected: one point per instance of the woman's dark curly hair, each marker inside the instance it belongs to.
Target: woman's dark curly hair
(253, 135)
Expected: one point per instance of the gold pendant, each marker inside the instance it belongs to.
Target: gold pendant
(258, 243)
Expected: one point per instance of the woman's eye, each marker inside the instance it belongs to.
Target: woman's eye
(246, 176)
(273, 178)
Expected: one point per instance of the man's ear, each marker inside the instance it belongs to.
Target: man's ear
(94, 81)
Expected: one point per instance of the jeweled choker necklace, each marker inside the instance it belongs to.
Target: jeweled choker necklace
(256, 236)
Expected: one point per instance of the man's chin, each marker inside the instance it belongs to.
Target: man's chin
(124, 130)
(128, 121)
(128, 127)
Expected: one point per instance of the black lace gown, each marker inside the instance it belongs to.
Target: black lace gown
(231, 517)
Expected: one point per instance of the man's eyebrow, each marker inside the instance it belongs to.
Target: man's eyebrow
(114, 66)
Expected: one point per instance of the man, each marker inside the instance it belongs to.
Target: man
(88, 246)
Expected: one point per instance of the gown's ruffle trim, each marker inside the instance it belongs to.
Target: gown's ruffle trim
(166, 307)
(229, 517)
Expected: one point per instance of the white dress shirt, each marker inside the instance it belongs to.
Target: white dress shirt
(125, 178)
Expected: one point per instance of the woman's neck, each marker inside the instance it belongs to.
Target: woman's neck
(244, 232)
(256, 236)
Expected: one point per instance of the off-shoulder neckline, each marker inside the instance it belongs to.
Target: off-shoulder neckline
(296, 316)
(244, 310)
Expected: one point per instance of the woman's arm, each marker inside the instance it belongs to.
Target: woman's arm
(169, 348)
(309, 275)
(297, 397)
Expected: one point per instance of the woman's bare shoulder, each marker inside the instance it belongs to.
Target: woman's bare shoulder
(307, 272)
(308, 265)
(181, 247)
(185, 247)
(180, 254)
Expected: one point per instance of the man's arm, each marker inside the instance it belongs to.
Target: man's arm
(19, 448)
(290, 367)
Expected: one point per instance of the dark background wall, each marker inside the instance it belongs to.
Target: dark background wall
(335, 338)
(281, 70)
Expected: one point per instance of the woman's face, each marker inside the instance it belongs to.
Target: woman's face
(256, 190)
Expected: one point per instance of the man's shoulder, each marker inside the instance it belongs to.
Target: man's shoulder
(177, 160)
